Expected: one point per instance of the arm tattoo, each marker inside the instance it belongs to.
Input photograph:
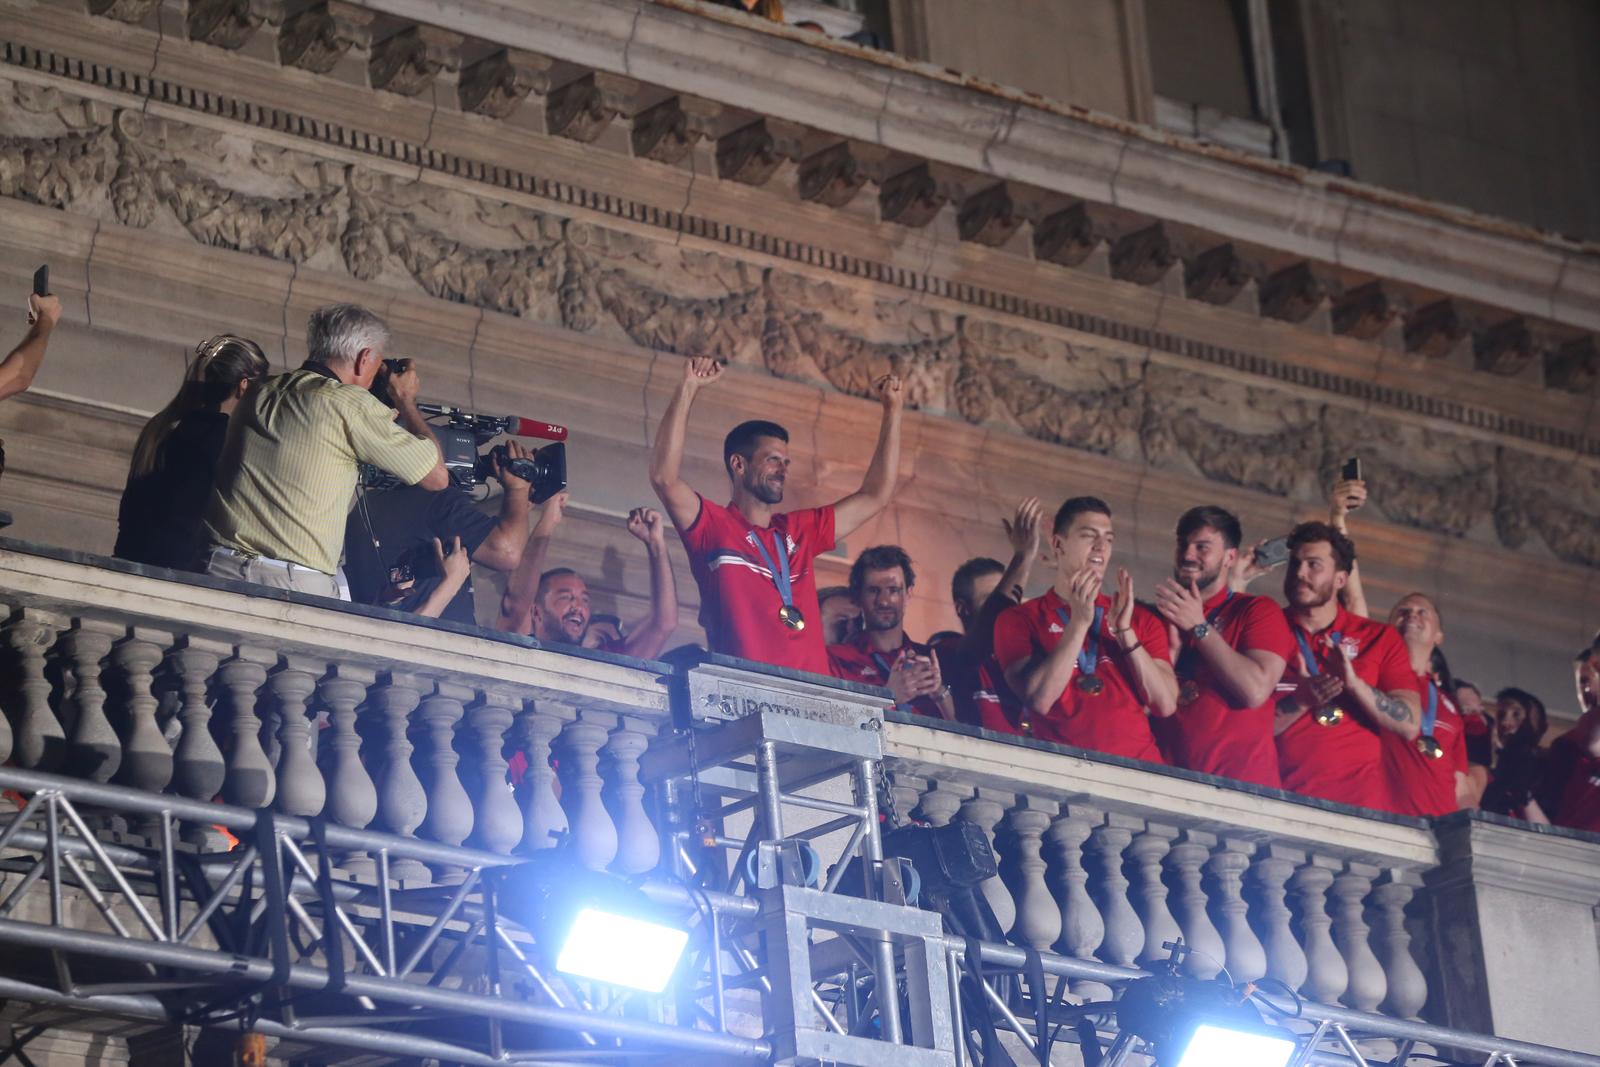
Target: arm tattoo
(1392, 707)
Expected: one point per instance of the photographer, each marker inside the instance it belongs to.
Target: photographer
(389, 539)
(288, 470)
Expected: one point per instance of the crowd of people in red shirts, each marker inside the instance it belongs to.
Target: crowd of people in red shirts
(1311, 696)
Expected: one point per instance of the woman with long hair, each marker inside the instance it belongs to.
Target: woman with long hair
(1520, 724)
(175, 459)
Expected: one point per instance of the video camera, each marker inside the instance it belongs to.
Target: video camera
(462, 433)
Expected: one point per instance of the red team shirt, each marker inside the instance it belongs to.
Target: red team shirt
(739, 601)
(857, 661)
(1111, 721)
(1343, 763)
(1580, 801)
(1208, 734)
(1419, 784)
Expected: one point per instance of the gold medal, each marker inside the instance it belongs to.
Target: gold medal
(1429, 746)
(791, 617)
(1189, 691)
(1332, 715)
(1092, 684)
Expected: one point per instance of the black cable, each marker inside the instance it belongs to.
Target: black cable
(1299, 1002)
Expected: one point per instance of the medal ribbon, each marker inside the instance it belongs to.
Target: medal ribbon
(1089, 654)
(1431, 716)
(780, 569)
(1305, 649)
(1186, 658)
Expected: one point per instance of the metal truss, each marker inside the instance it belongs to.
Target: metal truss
(272, 936)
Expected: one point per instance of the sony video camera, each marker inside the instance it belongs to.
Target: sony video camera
(462, 433)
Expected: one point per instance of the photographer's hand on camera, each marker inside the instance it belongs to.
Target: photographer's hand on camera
(513, 485)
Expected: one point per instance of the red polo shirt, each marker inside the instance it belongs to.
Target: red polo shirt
(1112, 720)
(1580, 801)
(739, 600)
(857, 661)
(1343, 762)
(1419, 784)
(1209, 733)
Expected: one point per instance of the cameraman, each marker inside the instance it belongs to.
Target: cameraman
(390, 538)
(288, 469)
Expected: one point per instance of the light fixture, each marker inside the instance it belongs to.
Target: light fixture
(1187, 1022)
(1223, 1046)
(593, 925)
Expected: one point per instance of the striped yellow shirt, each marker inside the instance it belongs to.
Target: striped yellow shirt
(288, 470)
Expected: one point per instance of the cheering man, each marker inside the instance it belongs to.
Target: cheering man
(880, 581)
(753, 563)
(1428, 774)
(1350, 680)
(1234, 649)
(1082, 666)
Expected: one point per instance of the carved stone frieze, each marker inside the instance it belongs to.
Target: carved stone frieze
(1553, 502)
(130, 11)
(317, 37)
(667, 131)
(1232, 433)
(832, 176)
(408, 62)
(582, 109)
(497, 83)
(1430, 480)
(223, 23)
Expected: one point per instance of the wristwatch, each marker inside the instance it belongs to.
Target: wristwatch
(1201, 629)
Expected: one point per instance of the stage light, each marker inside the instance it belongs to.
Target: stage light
(1222, 1046)
(621, 950)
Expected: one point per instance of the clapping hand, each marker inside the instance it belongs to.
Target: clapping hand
(1023, 530)
(914, 676)
(1181, 605)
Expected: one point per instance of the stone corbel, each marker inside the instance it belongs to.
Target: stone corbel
(1147, 256)
(989, 216)
(667, 131)
(1295, 294)
(832, 177)
(751, 154)
(317, 37)
(1367, 311)
(1068, 237)
(498, 82)
(1436, 330)
(1573, 367)
(133, 12)
(1506, 348)
(1221, 276)
(407, 62)
(911, 198)
(223, 23)
(581, 110)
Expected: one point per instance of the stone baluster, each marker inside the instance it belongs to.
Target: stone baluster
(1082, 929)
(352, 798)
(198, 767)
(40, 742)
(984, 811)
(1038, 918)
(1146, 852)
(449, 820)
(544, 821)
(250, 781)
(1245, 958)
(638, 844)
(146, 757)
(594, 836)
(907, 792)
(1326, 973)
(498, 824)
(1408, 989)
(1184, 861)
(301, 790)
(94, 751)
(401, 800)
(941, 800)
(1368, 987)
(1269, 875)
(1124, 938)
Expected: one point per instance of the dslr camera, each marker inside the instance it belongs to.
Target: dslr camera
(462, 433)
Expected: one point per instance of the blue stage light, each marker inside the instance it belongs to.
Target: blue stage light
(1223, 1046)
(621, 950)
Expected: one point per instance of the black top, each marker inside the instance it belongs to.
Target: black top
(160, 519)
(405, 521)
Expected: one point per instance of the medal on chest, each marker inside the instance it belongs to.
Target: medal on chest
(790, 615)
(1328, 714)
(1427, 744)
(1087, 681)
(1188, 684)
(1188, 691)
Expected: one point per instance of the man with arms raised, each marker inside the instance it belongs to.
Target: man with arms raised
(1350, 680)
(1428, 774)
(881, 580)
(1082, 666)
(753, 563)
(1234, 647)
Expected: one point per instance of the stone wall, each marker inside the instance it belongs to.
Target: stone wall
(557, 278)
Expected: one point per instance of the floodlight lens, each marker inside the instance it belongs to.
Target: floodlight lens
(620, 950)
(1218, 1046)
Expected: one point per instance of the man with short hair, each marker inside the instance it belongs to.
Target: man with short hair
(753, 563)
(881, 580)
(1077, 667)
(841, 615)
(1428, 774)
(288, 469)
(1350, 679)
(553, 605)
(1234, 647)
